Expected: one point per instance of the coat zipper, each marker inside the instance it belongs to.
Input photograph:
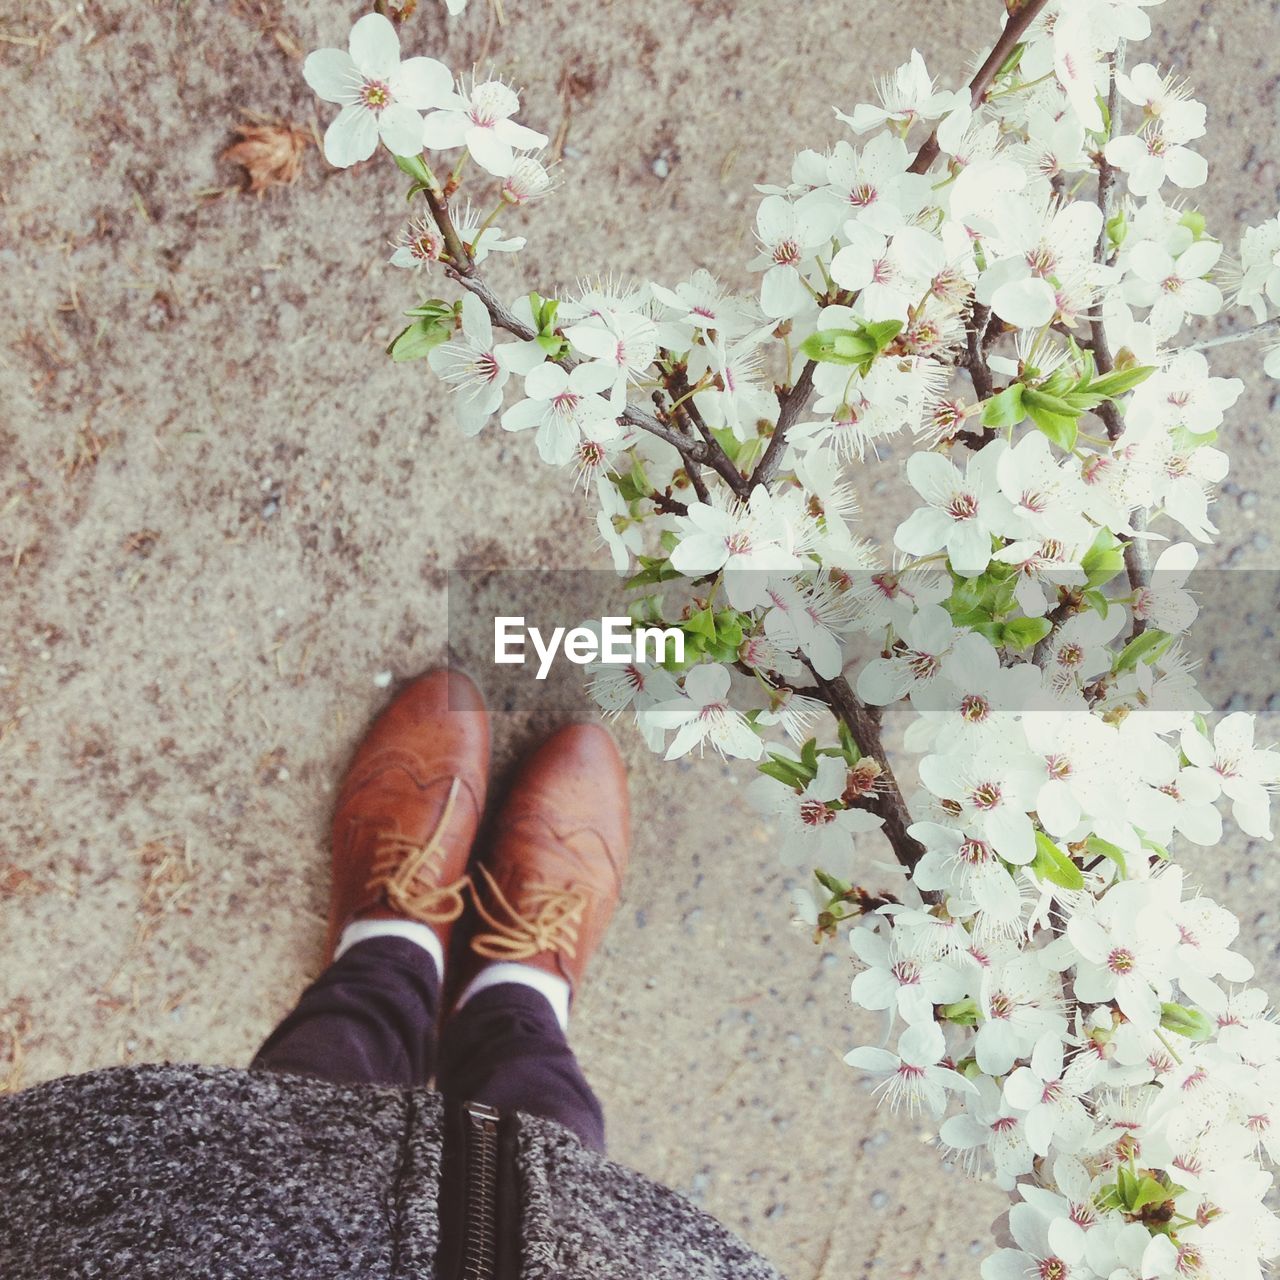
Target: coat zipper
(480, 1192)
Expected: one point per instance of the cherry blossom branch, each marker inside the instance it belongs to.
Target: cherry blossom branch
(1135, 552)
(1018, 22)
(686, 410)
(791, 404)
(1227, 339)
(505, 319)
(886, 802)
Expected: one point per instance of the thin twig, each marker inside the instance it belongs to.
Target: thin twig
(886, 801)
(791, 404)
(1013, 30)
(1226, 339)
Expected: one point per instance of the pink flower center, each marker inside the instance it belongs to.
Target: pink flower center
(986, 796)
(786, 253)
(376, 95)
(813, 813)
(974, 708)
(923, 666)
(1120, 961)
(974, 853)
(863, 194)
(964, 506)
(1070, 655)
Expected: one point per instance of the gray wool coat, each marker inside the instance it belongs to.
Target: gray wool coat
(176, 1172)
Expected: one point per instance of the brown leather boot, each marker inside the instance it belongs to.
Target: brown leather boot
(409, 808)
(545, 892)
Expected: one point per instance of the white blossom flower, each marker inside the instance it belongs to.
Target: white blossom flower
(1244, 773)
(1173, 287)
(913, 1076)
(871, 186)
(381, 96)
(908, 95)
(1048, 1094)
(479, 118)
(991, 793)
(814, 830)
(1123, 943)
(478, 367)
(964, 513)
(926, 636)
(746, 541)
(901, 983)
(788, 238)
(559, 402)
(889, 274)
(703, 714)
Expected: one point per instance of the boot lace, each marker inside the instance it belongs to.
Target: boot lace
(550, 923)
(405, 871)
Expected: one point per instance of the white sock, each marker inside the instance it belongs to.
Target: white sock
(556, 990)
(421, 934)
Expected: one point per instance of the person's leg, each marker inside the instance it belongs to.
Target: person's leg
(543, 895)
(369, 1018)
(507, 1047)
(407, 813)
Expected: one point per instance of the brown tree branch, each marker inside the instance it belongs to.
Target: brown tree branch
(791, 404)
(1013, 31)
(886, 802)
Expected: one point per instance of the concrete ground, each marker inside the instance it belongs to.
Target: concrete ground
(223, 513)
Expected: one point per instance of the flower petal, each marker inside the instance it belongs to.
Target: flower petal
(332, 75)
(352, 137)
(375, 47)
(421, 83)
(400, 127)
(443, 130)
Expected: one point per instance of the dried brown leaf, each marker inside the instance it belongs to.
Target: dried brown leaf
(270, 154)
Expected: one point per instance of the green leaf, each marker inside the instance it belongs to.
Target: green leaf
(1119, 381)
(1101, 848)
(1005, 409)
(1055, 866)
(848, 746)
(1158, 849)
(652, 569)
(1103, 560)
(433, 309)
(1058, 419)
(809, 755)
(963, 1013)
(1144, 648)
(1025, 633)
(834, 886)
(1149, 1192)
(1194, 221)
(839, 346)
(1183, 1021)
(772, 769)
(1010, 64)
(418, 340)
(1097, 602)
(702, 623)
(417, 168)
(728, 442)
(882, 332)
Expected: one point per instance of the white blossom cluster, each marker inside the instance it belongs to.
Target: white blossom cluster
(997, 284)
